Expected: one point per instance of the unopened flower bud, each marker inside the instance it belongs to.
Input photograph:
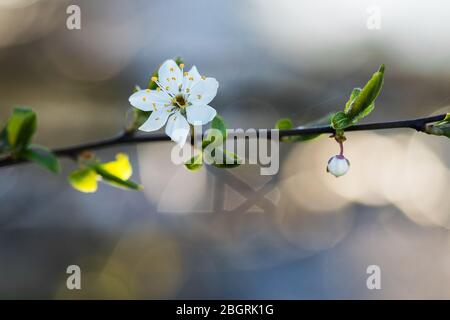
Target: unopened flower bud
(338, 165)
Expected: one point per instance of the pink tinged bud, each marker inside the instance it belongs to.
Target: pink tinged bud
(338, 166)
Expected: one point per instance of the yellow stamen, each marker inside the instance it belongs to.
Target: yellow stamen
(154, 79)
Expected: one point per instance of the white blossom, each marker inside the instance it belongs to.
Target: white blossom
(181, 99)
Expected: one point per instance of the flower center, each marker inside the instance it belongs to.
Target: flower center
(179, 101)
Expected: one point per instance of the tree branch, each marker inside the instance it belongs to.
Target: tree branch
(130, 138)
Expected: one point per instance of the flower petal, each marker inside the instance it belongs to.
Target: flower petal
(170, 76)
(190, 78)
(150, 100)
(177, 128)
(120, 168)
(200, 114)
(156, 120)
(203, 91)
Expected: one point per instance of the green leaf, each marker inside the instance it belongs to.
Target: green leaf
(364, 113)
(21, 128)
(120, 167)
(195, 163)
(218, 124)
(284, 124)
(355, 93)
(445, 120)
(440, 128)
(84, 180)
(340, 121)
(43, 157)
(362, 103)
(116, 173)
(229, 160)
(207, 142)
(116, 181)
(445, 129)
(319, 122)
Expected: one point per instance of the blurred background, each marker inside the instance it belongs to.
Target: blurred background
(300, 234)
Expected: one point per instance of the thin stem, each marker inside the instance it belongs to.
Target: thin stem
(130, 138)
(341, 148)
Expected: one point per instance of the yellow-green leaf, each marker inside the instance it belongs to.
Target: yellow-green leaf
(284, 124)
(445, 120)
(362, 104)
(340, 121)
(20, 128)
(84, 180)
(120, 168)
(355, 93)
(216, 124)
(195, 163)
(115, 180)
